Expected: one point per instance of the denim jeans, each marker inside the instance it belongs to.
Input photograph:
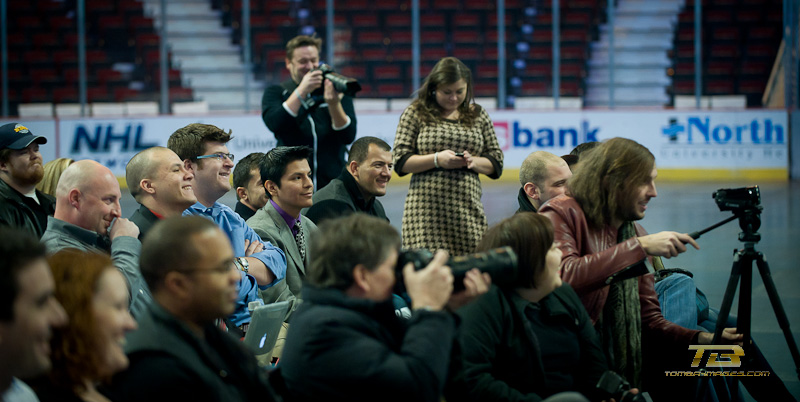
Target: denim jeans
(677, 296)
(680, 302)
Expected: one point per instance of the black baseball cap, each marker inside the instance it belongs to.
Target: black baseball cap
(17, 136)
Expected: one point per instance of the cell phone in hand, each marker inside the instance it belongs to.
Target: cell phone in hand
(461, 154)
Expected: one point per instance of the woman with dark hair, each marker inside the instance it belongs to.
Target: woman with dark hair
(87, 351)
(534, 340)
(445, 140)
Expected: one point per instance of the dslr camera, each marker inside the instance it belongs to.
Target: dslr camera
(738, 199)
(346, 85)
(612, 385)
(499, 263)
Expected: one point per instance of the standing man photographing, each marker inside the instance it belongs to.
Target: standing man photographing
(297, 115)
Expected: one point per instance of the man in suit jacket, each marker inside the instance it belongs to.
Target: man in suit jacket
(287, 179)
(161, 184)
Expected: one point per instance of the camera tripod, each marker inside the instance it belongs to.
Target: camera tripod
(742, 270)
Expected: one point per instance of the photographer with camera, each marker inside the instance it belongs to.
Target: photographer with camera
(308, 110)
(345, 341)
(531, 338)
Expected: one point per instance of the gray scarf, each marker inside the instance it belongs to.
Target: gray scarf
(620, 323)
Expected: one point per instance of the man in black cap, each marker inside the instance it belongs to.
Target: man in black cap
(21, 204)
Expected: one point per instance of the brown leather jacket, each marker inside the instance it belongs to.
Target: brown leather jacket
(591, 256)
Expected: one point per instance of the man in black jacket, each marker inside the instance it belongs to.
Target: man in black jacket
(307, 110)
(21, 204)
(161, 184)
(368, 171)
(543, 176)
(178, 353)
(345, 341)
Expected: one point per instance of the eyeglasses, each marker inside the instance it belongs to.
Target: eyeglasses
(219, 155)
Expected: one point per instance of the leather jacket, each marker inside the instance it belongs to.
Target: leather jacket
(590, 256)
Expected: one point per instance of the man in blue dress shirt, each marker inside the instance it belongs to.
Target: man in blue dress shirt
(202, 147)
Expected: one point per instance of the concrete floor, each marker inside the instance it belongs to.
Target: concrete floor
(686, 208)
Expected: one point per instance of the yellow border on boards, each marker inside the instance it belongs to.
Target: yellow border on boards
(676, 175)
(664, 174)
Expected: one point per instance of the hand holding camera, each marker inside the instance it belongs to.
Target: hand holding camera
(310, 82)
(431, 286)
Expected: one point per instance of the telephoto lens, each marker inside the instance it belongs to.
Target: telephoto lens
(499, 263)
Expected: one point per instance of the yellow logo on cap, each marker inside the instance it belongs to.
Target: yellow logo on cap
(21, 129)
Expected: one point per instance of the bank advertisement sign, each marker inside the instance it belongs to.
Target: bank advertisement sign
(685, 140)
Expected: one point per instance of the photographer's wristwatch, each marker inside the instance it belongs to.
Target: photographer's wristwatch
(242, 264)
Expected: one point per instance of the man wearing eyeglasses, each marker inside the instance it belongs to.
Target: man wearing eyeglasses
(202, 147)
(178, 353)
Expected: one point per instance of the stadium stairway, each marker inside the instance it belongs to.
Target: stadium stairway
(202, 49)
(643, 32)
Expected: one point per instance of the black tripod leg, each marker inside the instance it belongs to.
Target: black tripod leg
(777, 306)
(727, 300)
(744, 315)
(724, 312)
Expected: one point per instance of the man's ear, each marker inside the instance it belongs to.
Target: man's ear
(271, 187)
(353, 168)
(241, 192)
(177, 283)
(360, 278)
(74, 197)
(147, 186)
(531, 190)
(187, 163)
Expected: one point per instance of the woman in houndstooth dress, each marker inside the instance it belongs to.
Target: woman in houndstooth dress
(445, 140)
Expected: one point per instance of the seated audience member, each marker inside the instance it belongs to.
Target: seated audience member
(368, 171)
(250, 193)
(178, 353)
(29, 312)
(52, 172)
(676, 293)
(87, 203)
(345, 341)
(501, 360)
(204, 152)
(88, 351)
(542, 176)
(21, 204)
(287, 179)
(596, 229)
(161, 184)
